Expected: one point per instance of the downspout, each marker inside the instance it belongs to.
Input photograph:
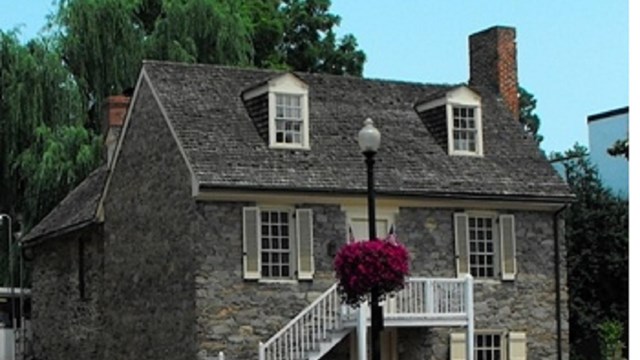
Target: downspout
(556, 243)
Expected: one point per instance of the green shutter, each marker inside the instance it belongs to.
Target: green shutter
(508, 246)
(251, 242)
(304, 232)
(461, 234)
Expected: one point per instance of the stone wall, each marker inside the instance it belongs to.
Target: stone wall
(67, 325)
(149, 295)
(233, 314)
(526, 304)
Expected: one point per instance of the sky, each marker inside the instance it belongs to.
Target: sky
(572, 55)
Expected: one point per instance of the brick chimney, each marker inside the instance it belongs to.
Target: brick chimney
(492, 62)
(114, 111)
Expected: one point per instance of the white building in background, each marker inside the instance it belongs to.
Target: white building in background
(605, 129)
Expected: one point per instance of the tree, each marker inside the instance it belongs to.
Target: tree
(597, 255)
(100, 42)
(36, 91)
(201, 31)
(309, 42)
(529, 120)
(620, 148)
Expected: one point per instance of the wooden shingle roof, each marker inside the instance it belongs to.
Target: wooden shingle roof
(205, 107)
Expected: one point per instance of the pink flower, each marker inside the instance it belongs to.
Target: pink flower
(362, 266)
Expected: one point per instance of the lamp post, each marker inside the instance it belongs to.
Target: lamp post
(369, 141)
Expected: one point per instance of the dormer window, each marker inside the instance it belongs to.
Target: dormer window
(465, 132)
(280, 110)
(288, 119)
(454, 118)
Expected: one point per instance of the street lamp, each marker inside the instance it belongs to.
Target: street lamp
(369, 141)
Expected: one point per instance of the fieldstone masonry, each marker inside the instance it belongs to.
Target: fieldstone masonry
(65, 324)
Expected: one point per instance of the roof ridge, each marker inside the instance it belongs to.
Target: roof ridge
(301, 73)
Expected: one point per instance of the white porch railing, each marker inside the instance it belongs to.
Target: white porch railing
(308, 330)
(423, 302)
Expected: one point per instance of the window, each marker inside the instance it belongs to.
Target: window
(454, 119)
(481, 247)
(279, 109)
(277, 243)
(465, 132)
(289, 120)
(485, 245)
(490, 345)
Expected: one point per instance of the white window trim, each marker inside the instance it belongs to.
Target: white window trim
(497, 259)
(304, 104)
(464, 97)
(293, 251)
(478, 122)
(504, 348)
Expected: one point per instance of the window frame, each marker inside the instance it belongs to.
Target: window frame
(503, 342)
(496, 242)
(291, 120)
(461, 96)
(467, 130)
(292, 237)
(453, 103)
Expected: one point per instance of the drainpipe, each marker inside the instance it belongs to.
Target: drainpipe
(556, 243)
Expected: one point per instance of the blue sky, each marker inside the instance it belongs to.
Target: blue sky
(572, 55)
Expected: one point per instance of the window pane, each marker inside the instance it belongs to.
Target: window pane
(275, 270)
(275, 258)
(265, 243)
(285, 271)
(265, 258)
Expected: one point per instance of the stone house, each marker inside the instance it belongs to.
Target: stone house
(214, 223)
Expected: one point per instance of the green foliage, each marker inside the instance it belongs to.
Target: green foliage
(201, 31)
(58, 159)
(620, 148)
(309, 43)
(597, 255)
(100, 42)
(529, 120)
(36, 91)
(611, 334)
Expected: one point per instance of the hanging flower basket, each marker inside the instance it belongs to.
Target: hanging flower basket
(364, 265)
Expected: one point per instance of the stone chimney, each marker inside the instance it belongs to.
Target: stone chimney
(492, 62)
(114, 111)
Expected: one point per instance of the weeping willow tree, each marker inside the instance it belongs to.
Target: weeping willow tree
(37, 92)
(202, 31)
(100, 41)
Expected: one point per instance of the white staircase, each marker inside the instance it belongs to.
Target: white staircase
(321, 326)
